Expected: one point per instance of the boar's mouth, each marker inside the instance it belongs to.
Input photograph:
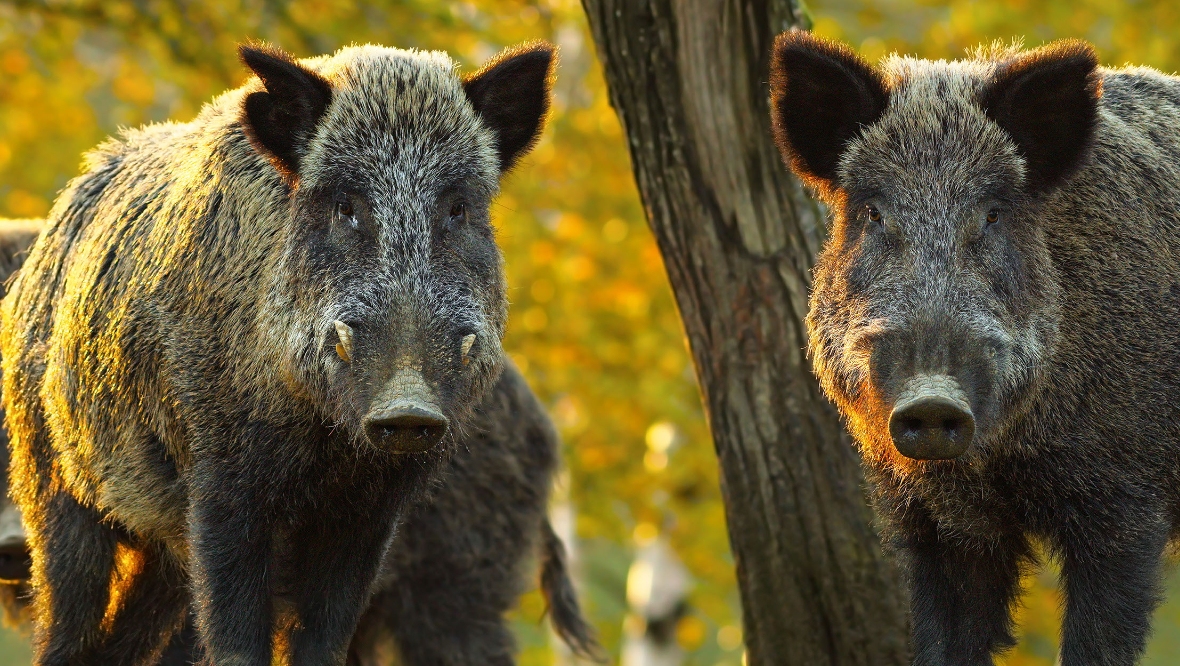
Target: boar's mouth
(932, 419)
(405, 417)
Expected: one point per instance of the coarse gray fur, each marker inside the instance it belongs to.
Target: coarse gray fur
(1008, 225)
(185, 413)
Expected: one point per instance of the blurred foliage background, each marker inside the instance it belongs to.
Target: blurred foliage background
(594, 326)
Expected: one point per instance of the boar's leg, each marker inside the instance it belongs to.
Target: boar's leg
(73, 555)
(962, 598)
(337, 567)
(230, 574)
(184, 649)
(1110, 597)
(448, 620)
(151, 607)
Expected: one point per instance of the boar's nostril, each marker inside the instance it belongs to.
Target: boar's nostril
(931, 427)
(407, 429)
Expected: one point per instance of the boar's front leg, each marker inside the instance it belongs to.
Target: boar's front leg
(339, 561)
(151, 607)
(184, 649)
(962, 597)
(230, 578)
(1111, 588)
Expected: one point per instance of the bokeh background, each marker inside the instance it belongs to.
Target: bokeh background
(593, 326)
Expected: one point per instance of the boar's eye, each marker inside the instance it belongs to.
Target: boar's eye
(993, 216)
(458, 214)
(873, 214)
(345, 213)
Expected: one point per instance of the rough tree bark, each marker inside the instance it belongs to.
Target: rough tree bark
(738, 236)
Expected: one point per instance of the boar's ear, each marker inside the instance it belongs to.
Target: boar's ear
(821, 95)
(280, 120)
(1047, 101)
(511, 95)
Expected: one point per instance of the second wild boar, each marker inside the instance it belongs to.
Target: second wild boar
(995, 314)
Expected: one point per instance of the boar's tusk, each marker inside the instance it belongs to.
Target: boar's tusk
(344, 347)
(465, 346)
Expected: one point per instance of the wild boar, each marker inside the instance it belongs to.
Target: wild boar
(244, 344)
(994, 313)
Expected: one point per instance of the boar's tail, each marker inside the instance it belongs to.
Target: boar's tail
(564, 613)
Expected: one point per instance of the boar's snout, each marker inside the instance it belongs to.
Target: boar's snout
(932, 419)
(405, 416)
(407, 428)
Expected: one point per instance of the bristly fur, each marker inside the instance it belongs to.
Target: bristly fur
(172, 388)
(1011, 221)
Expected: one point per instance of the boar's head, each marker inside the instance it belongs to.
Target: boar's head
(390, 271)
(935, 301)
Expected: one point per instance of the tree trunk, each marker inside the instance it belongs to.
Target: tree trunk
(739, 236)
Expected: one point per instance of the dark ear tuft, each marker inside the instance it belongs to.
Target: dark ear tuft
(511, 95)
(821, 95)
(280, 121)
(1047, 101)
